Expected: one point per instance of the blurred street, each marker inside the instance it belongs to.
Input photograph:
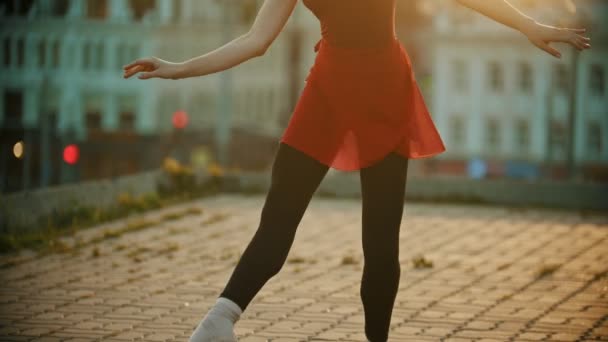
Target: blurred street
(481, 273)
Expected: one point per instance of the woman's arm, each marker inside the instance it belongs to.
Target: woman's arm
(540, 35)
(267, 25)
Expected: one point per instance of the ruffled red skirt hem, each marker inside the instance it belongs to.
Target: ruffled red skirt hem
(360, 104)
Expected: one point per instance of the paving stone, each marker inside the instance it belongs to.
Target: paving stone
(483, 285)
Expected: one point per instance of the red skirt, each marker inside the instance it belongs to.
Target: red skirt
(358, 105)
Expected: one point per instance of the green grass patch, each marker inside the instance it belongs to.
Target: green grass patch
(44, 237)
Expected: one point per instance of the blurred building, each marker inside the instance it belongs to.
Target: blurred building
(498, 98)
(492, 94)
(61, 83)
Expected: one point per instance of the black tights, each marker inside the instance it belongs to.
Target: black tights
(295, 177)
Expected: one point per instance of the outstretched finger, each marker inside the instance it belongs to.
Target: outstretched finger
(577, 30)
(142, 62)
(132, 64)
(130, 72)
(584, 38)
(585, 43)
(578, 44)
(551, 50)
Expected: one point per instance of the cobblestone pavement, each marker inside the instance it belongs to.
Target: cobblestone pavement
(497, 274)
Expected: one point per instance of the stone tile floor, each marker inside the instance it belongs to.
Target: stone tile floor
(486, 281)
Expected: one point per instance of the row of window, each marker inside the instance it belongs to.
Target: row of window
(94, 9)
(126, 121)
(14, 106)
(48, 54)
(492, 138)
(254, 104)
(560, 78)
(493, 134)
(100, 9)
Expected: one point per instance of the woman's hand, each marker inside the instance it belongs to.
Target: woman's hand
(541, 35)
(153, 67)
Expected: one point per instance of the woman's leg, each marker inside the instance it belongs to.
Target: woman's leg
(294, 179)
(383, 196)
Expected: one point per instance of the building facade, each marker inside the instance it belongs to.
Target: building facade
(497, 97)
(61, 81)
(492, 94)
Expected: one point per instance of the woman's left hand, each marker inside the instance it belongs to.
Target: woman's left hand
(541, 35)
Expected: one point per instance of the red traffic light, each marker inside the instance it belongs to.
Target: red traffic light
(71, 154)
(180, 119)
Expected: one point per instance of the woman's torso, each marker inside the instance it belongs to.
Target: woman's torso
(355, 23)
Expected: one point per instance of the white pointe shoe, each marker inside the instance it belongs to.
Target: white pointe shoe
(215, 329)
(218, 323)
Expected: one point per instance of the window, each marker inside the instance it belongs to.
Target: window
(177, 10)
(561, 81)
(457, 130)
(459, 75)
(41, 53)
(522, 135)
(99, 56)
(525, 77)
(492, 134)
(496, 77)
(92, 56)
(97, 9)
(133, 52)
(119, 53)
(558, 137)
(594, 137)
(596, 80)
(13, 105)
(55, 54)
(7, 52)
(17, 7)
(126, 53)
(141, 7)
(93, 121)
(127, 121)
(52, 121)
(60, 7)
(20, 52)
(86, 56)
(48, 117)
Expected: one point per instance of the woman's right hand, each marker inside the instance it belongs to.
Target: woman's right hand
(153, 67)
